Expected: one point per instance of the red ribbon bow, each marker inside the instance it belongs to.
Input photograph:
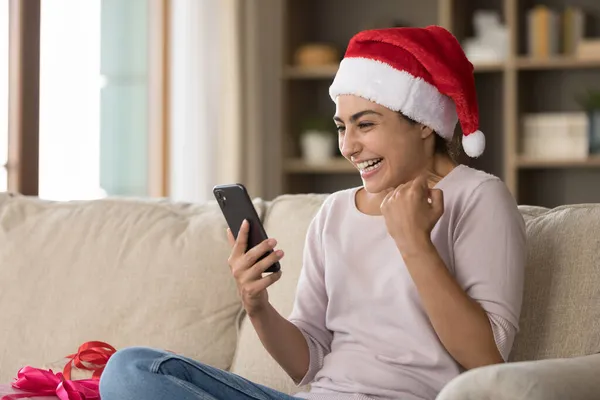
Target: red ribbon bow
(91, 356)
(95, 354)
(38, 383)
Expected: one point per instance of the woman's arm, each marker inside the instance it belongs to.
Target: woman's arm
(460, 322)
(475, 308)
(283, 341)
(311, 301)
(299, 343)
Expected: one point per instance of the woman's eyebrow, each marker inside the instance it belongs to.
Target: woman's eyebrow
(359, 114)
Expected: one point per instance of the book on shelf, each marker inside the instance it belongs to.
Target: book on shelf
(573, 23)
(551, 32)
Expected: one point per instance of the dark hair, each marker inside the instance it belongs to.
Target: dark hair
(453, 148)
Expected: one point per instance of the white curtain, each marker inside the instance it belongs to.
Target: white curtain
(224, 72)
(194, 98)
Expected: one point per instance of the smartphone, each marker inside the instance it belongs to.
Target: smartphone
(236, 205)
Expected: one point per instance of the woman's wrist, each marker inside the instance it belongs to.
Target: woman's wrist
(417, 246)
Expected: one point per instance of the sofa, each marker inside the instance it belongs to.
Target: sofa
(142, 272)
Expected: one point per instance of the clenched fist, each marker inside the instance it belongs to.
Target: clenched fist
(411, 211)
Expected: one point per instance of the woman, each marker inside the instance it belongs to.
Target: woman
(407, 280)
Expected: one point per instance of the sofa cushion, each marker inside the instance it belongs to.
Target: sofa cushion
(287, 219)
(556, 379)
(561, 304)
(126, 272)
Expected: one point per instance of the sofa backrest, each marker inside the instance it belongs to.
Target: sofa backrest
(127, 272)
(561, 304)
(132, 272)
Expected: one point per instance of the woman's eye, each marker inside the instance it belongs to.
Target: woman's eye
(364, 125)
(340, 128)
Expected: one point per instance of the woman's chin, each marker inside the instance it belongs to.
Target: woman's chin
(375, 186)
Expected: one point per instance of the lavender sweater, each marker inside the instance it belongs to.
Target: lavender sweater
(368, 334)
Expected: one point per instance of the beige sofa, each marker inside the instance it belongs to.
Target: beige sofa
(134, 272)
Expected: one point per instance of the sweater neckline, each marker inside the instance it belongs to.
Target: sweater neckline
(439, 185)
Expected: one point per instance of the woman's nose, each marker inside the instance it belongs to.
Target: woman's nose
(349, 145)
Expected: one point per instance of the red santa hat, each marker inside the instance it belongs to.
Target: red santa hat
(421, 72)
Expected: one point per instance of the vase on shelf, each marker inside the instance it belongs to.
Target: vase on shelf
(317, 146)
(318, 139)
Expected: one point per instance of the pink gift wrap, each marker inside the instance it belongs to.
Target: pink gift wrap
(39, 383)
(8, 390)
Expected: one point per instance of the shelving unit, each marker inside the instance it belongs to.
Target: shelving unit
(506, 90)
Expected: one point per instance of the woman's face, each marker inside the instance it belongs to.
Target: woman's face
(387, 149)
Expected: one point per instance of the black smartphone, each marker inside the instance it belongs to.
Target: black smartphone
(236, 205)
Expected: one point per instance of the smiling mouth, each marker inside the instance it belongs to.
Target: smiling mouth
(369, 165)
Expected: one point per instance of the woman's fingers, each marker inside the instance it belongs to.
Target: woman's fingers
(254, 288)
(260, 267)
(241, 243)
(255, 253)
(230, 238)
(241, 260)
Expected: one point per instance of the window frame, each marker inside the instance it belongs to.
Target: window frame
(24, 97)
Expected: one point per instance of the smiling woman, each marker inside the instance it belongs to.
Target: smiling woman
(392, 300)
(387, 148)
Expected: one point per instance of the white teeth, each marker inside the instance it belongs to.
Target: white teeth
(369, 164)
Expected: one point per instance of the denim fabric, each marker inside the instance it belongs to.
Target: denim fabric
(139, 373)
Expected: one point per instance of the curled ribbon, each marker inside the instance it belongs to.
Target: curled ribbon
(91, 356)
(38, 383)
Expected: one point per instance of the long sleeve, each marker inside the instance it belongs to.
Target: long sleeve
(490, 255)
(310, 304)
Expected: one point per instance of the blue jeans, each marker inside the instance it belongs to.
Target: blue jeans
(139, 373)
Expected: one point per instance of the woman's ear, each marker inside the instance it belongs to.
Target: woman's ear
(426, 131)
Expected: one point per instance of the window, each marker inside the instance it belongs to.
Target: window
(69, 100)
(95, 89)
(3, 94)
(93, 99)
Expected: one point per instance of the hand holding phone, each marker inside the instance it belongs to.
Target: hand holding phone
(236, 207)
(248, 271)
(252, 252)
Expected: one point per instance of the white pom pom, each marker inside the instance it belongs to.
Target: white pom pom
(474, 144)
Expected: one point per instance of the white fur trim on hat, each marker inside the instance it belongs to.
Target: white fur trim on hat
(397, 90)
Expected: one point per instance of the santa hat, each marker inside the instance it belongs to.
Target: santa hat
(421, 72)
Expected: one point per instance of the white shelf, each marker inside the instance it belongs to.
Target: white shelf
(335, 166)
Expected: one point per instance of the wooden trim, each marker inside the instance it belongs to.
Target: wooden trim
(556, 62)
(158, 98)
(593, 161)
(23, 99)
(510, 100)
(446, 13)
(338, 165)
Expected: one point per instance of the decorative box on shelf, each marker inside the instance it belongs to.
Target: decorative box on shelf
(555, 136)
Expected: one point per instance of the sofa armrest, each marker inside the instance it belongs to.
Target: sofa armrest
(575, 378)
